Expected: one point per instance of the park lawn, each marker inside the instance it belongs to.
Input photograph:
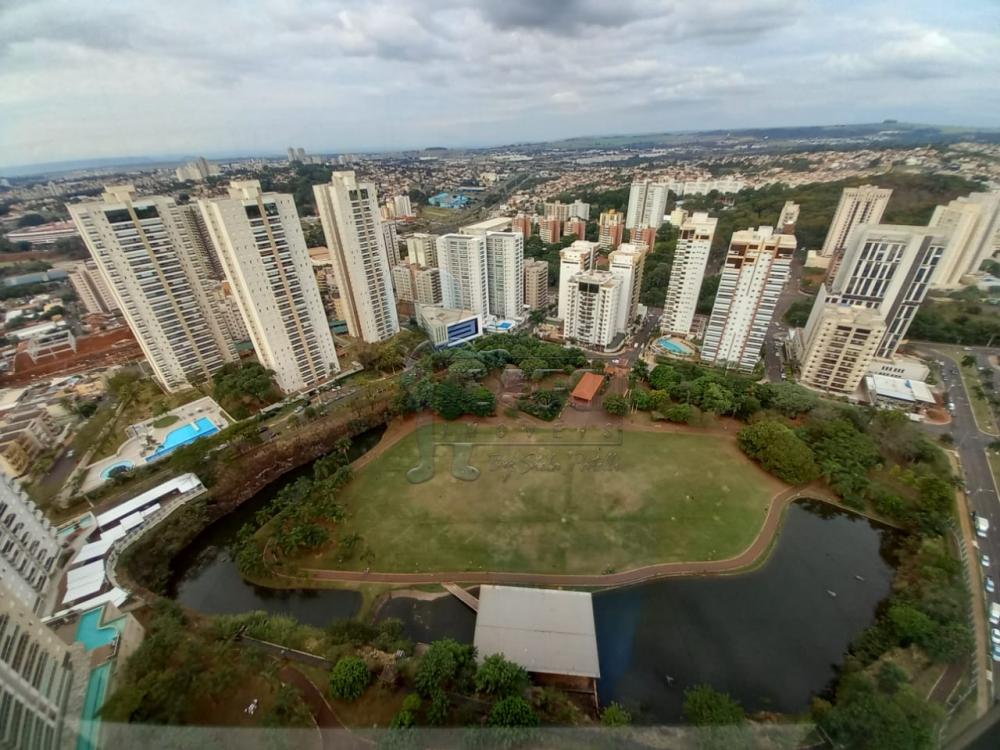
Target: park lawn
(594, 502)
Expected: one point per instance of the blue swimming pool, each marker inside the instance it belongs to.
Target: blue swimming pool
(190, 432)
(90, 721)
(123, 464)
(675, 347)
(92, 634)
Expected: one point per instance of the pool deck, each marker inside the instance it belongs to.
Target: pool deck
(144, 439)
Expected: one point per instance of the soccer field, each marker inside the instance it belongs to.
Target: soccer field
(543, 503)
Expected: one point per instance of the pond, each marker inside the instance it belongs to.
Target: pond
(207, 579)
(773, 637)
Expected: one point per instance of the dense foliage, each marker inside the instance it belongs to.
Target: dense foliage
(722, 722)
(349, 678)
(244, 388)
(780, 451)
(498, 676)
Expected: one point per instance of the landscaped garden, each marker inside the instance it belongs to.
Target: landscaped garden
(545, 501)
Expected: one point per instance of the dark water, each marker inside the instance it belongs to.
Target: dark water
(429, 620)
(206, 578)
(772, 638)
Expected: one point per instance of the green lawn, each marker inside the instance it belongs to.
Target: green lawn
(586, 505)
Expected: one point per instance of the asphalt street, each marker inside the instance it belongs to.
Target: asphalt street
(972, 445)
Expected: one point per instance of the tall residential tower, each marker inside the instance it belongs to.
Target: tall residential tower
(693, 247)
(258, 238)
(348, 209)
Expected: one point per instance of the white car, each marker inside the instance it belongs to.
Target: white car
(990, 586)
(985, 560)
(995, 635)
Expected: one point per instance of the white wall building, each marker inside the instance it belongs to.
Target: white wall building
(91, 288)
(647, 203)
(42, 680)
(151, 255)
(755, 272)
(258, 237)
(838, 345)
(536, 284)
(349, 211)
(580, 256)
(402, 205)
(592, 308)
(580, 209)
(860, 205)
(462, 262)
(28, 544)
(974, 224)
(505, 274)
(421, 248)
(889, 268)
(694, 244)
(391, 242)
(198, 170)
(627, 264)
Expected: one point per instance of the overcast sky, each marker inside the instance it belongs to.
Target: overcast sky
(97, 79)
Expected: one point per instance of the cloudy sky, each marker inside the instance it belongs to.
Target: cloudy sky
(98, 79)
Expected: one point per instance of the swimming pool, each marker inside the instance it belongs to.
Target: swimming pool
(92, 634)
(190, 432)
(124, 464)
(675, 347)
(90, 722)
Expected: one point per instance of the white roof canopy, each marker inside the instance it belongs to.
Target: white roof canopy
(543, 630)
(183, 483)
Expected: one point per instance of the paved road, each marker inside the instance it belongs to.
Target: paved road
(774, 363)
(972, 444)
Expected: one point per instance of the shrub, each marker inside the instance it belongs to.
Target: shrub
(349, 678)
(498, 676)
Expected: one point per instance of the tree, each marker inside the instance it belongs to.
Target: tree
(968, 360)
(30, 220)
(616, 405)
(512, 711)
(242, 387)
(722, 720)
(446, 663)
(500, 677)
(615, 715)
(349, 678)
(780, 451)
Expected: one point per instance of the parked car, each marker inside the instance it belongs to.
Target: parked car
(995, 635)
(982, 527)
(994, 613)
(990, 586)
(985, 560)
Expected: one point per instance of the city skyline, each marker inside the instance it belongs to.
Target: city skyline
(431, 64)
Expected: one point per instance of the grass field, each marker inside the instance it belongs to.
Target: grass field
(571, 507)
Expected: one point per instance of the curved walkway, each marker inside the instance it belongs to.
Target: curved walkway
(751, 555)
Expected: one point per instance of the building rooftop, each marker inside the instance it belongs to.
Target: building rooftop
(543, 630)
(900, 389)
(588, 386)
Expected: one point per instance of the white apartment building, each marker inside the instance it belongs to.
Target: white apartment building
(647, 203)
(258, 238)
(788, 217)
(498, 224)
(91, 288)
(694, 244)
(348, 209)
(391, 242)
(427, 287)
(838, 345)
(28, 545)
(402, 205)
(889, 268)
(42, 680)
(232, 316)
(421, 248)
(557, 210)
(151, 256)
(403, 281)
(462, 262)
(592, 308)
(974, 224)
(580, 256)
(580, 210)
(536, 284)
(610, 229)
(505, 274)
(860, 205)
(549, 229)
(756, 270)
(198, 170)
(627, 263)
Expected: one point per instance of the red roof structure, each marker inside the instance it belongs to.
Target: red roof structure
(587, 388)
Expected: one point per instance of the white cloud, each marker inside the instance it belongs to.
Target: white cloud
(79, 79)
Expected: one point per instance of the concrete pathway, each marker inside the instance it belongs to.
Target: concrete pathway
(335, 735)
